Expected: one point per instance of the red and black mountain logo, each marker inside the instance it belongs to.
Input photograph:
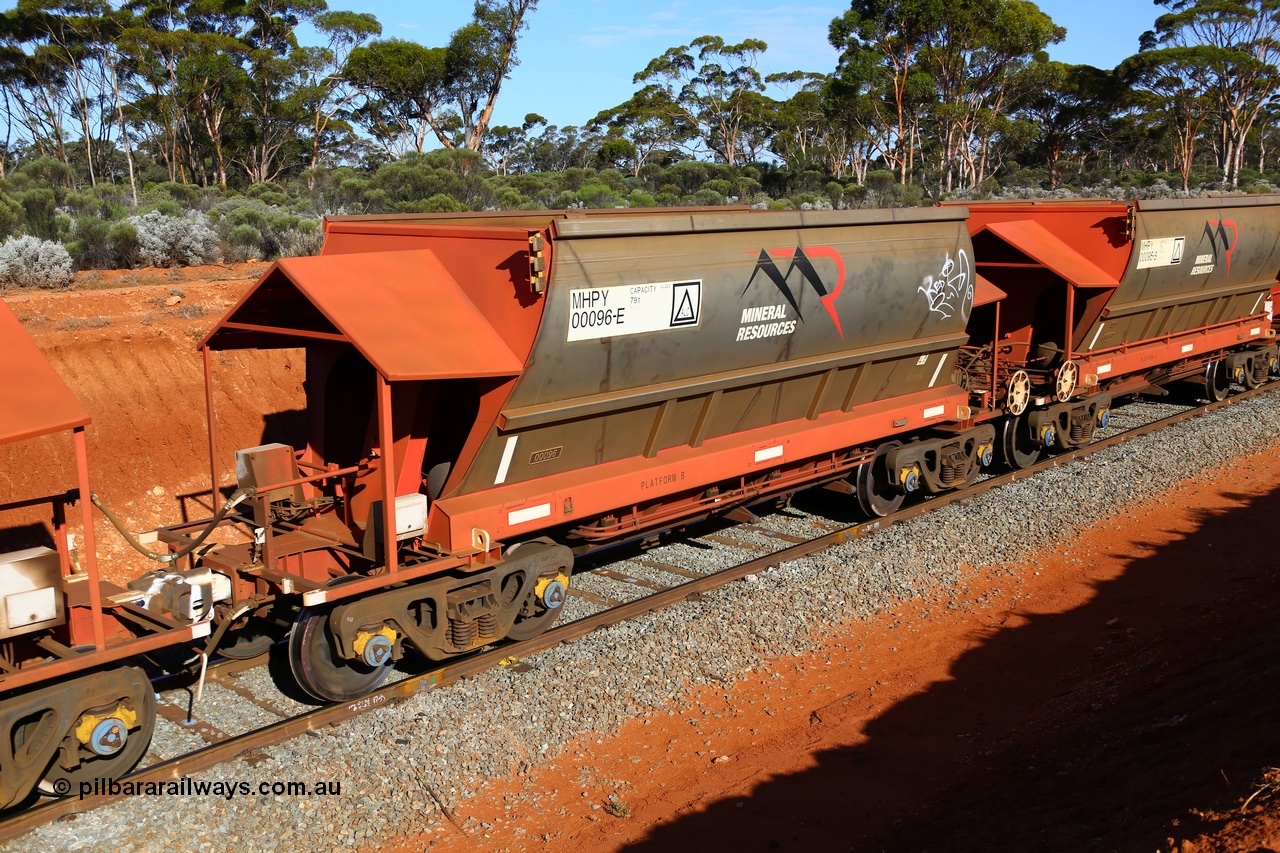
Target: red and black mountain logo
(800, 260)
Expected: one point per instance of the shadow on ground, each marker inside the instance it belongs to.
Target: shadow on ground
(1106, 727)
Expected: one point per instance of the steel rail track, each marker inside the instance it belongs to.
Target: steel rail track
(212, 755)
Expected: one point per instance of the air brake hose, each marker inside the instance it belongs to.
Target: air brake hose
(231, 503)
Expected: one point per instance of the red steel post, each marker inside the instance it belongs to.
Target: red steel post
(90, 560)
(386, 443)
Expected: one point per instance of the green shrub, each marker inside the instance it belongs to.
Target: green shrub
(879, 180)
(438, 203)
(708, 197)
(39, 205)
(639, 198)
(123, 238)
(89, 246)
(12, 214)
(244, 243)
(597, 195)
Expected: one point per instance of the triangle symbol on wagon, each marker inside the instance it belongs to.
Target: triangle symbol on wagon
(684, 314)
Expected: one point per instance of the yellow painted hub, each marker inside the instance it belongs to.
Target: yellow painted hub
(541, 586)
(89, 722)
(363, 638)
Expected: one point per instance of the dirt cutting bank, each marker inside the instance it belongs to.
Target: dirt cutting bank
(129, 354)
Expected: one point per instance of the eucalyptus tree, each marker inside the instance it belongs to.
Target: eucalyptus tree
(713, 86)
(1064, 111)
(272, 110)
(51, 74)
(854, 134)
(326, 91)
(480, 57)
(1230, 50)
(401, 84)
(799, 119)
(646, 127)
(1170, 85)
(450, 91)
(879, 65)
(977, 53)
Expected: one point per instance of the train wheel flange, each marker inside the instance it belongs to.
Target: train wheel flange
(1021, 449)
(318, 667)
(1217, 381)
(873, 484)
(1018, 392)
(1065, 385)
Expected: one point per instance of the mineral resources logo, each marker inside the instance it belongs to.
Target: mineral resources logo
(769, 321)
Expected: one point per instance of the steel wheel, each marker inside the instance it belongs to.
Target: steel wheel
(1021, 450)
(874, 484)
(61, 782)
(546, 601)
(1217, 381)
(547, 608)
(318, 667)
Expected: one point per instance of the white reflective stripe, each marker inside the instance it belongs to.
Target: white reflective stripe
(1096, 335)
(1104, 369)
(769, 453)
(201, 629)
(938, 369)
(934, 411)
(520, 516)
(1257, 302)
(1256, 330)
(1188, 347)
(507, 453)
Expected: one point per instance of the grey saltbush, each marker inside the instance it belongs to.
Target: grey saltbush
(31, 262)
(165, 241)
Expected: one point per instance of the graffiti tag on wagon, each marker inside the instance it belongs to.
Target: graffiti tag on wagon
(950, 292)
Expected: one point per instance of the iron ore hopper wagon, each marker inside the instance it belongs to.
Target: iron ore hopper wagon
(1111, 298)
(489, 396)
(520, 388)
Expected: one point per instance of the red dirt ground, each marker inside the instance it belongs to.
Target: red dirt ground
(1123, 698)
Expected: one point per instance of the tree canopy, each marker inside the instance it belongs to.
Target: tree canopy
(121, 108)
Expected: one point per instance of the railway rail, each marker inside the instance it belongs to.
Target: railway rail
(220, 747)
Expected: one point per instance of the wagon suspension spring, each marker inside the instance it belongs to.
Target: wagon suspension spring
(463, 634)
(1081, 429)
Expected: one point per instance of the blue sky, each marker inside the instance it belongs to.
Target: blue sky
(578, 56)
